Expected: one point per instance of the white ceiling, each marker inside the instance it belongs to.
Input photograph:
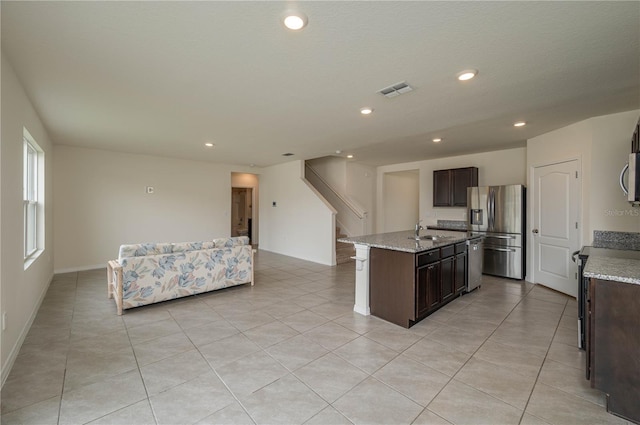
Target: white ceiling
(163, 78)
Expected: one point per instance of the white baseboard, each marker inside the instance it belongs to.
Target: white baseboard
(11, 359)
(81, 268)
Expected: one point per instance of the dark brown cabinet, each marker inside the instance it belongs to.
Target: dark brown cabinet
(613, 344)
(450, 186)
(447, 273)
(427, 289)
(460, 266)
(405, 288)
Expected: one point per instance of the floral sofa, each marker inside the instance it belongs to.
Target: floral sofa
(153, 272)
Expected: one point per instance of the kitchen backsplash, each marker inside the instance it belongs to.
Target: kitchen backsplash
(616, 240)
(453, 224)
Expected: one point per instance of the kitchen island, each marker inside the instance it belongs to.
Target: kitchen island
(403, 280)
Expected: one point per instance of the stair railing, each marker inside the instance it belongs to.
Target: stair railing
(351, 217)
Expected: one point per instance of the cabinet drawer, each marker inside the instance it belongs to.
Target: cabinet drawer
(447, 251)
(428, 257)
(461, 247)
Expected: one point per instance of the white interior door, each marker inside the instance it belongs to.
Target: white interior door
(555, 225)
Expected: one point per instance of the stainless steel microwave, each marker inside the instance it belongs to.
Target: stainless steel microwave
(632, 188)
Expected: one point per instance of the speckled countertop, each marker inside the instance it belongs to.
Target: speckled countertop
(399, 241)
(619, 269)
(614, 256)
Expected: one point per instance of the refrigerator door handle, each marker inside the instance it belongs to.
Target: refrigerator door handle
(492, 208)
(500, 237)
(489, 248)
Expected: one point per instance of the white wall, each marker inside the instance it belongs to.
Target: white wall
(361, 187)
(572, 142)
(333, 170)
(250, 181)
(353, 181)
(101, 203)
(603, 145)
(494, 168)
(21, 290)
(401, 195)
(301, 224)
(609, 209)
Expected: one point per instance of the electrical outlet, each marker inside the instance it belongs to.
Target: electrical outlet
(4, 321)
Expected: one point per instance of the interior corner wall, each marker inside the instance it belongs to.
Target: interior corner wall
(22, 290)
(571, 142)
(101, 202)
(501, 167)
(361, 187)
(611, 146)
(333, 170)
(300, 224)
(603, 144)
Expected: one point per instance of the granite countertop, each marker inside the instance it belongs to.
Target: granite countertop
(612, 268)
(399, 241)
(614, 256)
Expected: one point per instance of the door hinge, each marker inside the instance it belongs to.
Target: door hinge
(576, 174)
(576, 275)
(576, 224)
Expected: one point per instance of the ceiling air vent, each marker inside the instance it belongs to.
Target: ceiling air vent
(395, 90)
(287, 154)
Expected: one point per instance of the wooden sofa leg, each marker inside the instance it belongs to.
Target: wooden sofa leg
(253, 251)
(114, 290)
(109, 280)
(119, 292)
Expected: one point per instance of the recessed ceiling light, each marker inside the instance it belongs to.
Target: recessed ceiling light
(349, 156)
(437, 140)
(295, 20)
(209, 145)
(519, 124)
(467, 74)
(366, 110)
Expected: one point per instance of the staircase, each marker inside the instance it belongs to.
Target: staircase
(344, 251)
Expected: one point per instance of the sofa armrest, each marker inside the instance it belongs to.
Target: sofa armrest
(114, 283)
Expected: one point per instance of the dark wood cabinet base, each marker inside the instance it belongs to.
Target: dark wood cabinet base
(613, 345)
(404, 288)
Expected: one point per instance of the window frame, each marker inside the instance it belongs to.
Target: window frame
(31, 197)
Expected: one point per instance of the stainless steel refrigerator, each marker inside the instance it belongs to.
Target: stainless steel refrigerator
(497, 213)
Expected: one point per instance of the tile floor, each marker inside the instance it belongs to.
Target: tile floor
(290, 350)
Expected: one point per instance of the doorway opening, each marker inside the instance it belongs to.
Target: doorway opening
(244, 206)
(401, 197)
(241, 217)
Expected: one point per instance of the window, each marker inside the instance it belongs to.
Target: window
(31, 195)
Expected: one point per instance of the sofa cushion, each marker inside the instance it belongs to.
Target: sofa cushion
(191, 246)
(230, 242)
(144, 249)
(157, 278)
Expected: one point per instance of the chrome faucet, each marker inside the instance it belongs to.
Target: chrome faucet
(418, 228)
